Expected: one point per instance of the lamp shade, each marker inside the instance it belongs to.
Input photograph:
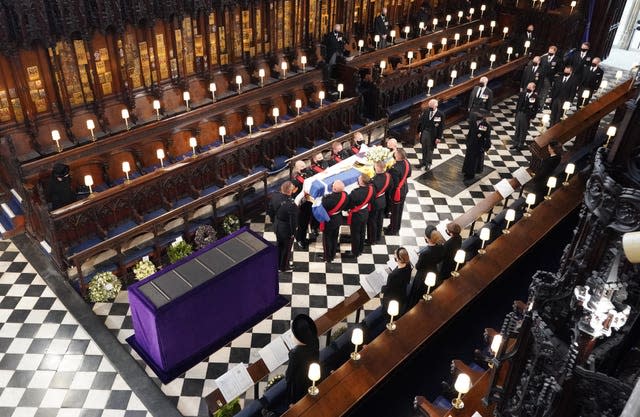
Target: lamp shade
(429, 83)
(360, 43)
(392, 33)
(481, 28)
(456, 37)
(321, 95)
(383, 64)
(303, 59)
(430, 279)
(261, 72)
(340, 87)
(193, 142)
(483, 7)
(126, 167)
(505, 30)
(222, 131)
(485, 234)
(238, 79)
(88, 180)
(394, 308)
(443, 41)
(435, 22)
(156, 104)
(160, 153)
(429, 45)
(618, 75)
(298, 103)
(186, 96)
(284, 65)
(509, 50)
(357, 336)
(472, 11)
(531, 199)
(570, 169)
(585, 93)
(460, 256)
(495, 343)
(469, 32)
(407, 29)
(314, 372)
(463, 383)
(421, 25)
(510, 215)
(566, 105)
(213, 87)
(249, 120)
(573, 3)
(631, 246)
(454, 73)
(527, 44)
(275, 112)
(376, 38)
(551, 182)
(474, 65)
(448, 18)
(410, 55)
(55, 135)
(492, 57)
(611, 131)
(90, 124)
(460, 13)
(124, 113)
(492, 23)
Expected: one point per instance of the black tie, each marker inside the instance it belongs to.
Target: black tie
(564, 79)
(430, 114)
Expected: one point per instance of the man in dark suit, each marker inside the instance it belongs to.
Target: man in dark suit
(526, 109)
(551, 65)
(381, 27)
(532, 73)
(563, 90)
(481, 96)
(580, 61)
(478, 141)
(333, 203)
(400, 171)
(591, 79)
(528, 35)
(430, 128)
(299, 174)
(285, 223)
(334, 45)
(383, 184)
(360, 200)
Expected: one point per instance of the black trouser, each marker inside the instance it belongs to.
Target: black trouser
(522, 128)
(358, 230)
(330, 237)
(427, 147)
(304, 217)
(556, 111)
(374, 225)
(284, 251)
(396, 216)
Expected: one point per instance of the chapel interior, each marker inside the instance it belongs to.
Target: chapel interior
(173, 124)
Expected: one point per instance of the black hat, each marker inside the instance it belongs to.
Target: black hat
(304, 329)
(60, 170)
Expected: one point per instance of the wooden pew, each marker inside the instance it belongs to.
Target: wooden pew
(344, 388)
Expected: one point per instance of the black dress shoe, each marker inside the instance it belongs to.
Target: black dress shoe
(349, 255)
(513, 147)
(302, 245)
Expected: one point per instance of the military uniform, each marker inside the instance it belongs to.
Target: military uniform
(359, 206)
(333, 203)
(383, 184)
(526, 109)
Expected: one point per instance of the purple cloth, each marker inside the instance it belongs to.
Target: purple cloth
(187, 328)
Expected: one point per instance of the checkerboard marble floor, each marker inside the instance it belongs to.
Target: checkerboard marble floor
(49, 366)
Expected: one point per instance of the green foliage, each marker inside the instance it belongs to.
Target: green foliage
(230, 224)
(104, 286)
(178, 251)
(229, 409)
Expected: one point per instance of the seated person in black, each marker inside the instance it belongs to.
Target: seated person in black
(538, 184)
(300, 357)
(398, 281)
(60, 192)
(428, 261)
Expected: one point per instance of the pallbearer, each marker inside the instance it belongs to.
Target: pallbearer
(383, 184)
(333, 204)
(400, 171)
(359, 206)
(299, 174)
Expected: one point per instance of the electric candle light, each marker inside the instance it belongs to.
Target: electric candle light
(392, 35)
(492, 24)
(222, 131)
(421, 27)
(429, 281)
(376, 39)
(156, 107)
(383, 65)
(447, 19)
(250, 123)
(193, 142)
(482, 10)
(360, 46)
(509, 52)
(212, 89)
(239, 82)
(541, 2)
(55, 135)
(546, 118)
(186, 97)
(160, 156)
(125, 115)
(585, 96)
(573, 5)
(357, 337)
(340, 90)
(126, 168)
(91, 126)
(321, 95)
(303, 61)
(275, 112)
(407, 29)
(429, 47)
(569, 169)
(469, 33)
(531, 200)
(462, 385)
(429, 86)
(444, 44)
(481, 29)
(314, 376)
(471, 12)
(485, 235)
(509, 217)
(565, 106)
(298, 105)
(527, 44)
(284, 66)
(393, 309)
(496, 343)
(410, 56)
(458, 259)
(551, 184)
(435, 24)
(460, 14)
(261, 75)
(611, 132)
(88, 181)
(454, 74)
(473, 67)
(505, 30)
(492, 59)
(456, 38)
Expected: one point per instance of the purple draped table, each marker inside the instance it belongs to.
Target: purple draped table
(184, 313)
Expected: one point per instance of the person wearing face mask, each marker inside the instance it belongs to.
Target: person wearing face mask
(521, 38)
(334, 46)
(526, 109)
(580, 61)
(478, 141)
(481, 96)
(563, 89)
(591, 79)
(550, 63)
(381, 27)
(400, 172)
(356, 143)
(531, 74)
(430, 129)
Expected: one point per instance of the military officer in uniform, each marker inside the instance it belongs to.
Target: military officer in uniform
(531, 74)
(400, 171)
(591, 79)
(430, 128)
(563, 89)
(285, 216)
(481, 96)
(580, 61)
(360, 201)
(300, 173)
(334, 204)
(383, 184)
(381, 27)
(526, 109)
(478, 141)
(334, 47)
(338, 154)
(318, 163)
(551, 65)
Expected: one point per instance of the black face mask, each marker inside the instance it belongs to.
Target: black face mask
(566, 74)
(594, 65)
(530, 31)
(550, 54)
(584, 50)
(529, 91)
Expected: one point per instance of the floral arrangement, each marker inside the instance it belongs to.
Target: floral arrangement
(205, 235)
(104, 287)
(143, 269)
(378, 153)
(229, 409)
(230, 224)
(178, 251)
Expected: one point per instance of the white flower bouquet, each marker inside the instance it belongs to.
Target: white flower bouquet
(378, 153)
(143, 269)
(104, 287)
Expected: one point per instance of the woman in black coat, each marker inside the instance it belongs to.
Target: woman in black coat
(428, 261)
(547, 167)
(398, 281)
(300, 357)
